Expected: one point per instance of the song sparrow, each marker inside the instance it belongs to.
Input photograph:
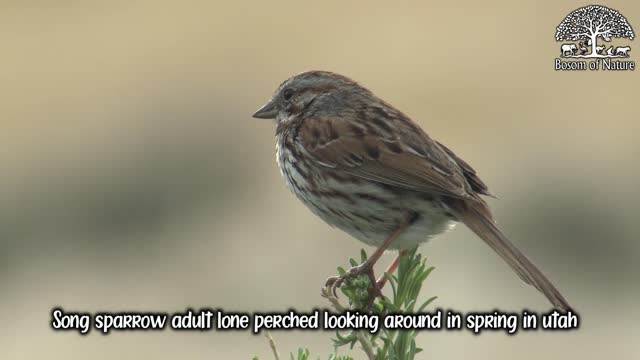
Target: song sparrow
(366, 168)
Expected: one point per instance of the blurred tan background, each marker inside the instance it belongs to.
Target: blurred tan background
(134, 178)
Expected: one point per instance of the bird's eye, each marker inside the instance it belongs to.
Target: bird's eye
(288, 93)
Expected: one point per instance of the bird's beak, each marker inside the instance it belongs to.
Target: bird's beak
(268, 111)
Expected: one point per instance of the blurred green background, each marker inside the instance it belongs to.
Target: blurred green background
(134, 178)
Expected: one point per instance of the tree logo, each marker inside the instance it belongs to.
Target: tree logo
(585, 33)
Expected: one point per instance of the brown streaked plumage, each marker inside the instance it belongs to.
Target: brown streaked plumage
(368, 169)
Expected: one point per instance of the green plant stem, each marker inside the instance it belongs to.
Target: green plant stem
(367, 347)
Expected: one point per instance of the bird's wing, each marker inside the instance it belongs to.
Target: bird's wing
(371, 149)
(469, 173)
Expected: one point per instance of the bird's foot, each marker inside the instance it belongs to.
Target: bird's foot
(334, 282)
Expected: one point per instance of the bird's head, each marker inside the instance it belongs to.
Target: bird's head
(298, 93)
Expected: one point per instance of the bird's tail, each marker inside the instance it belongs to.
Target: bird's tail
(477, 217)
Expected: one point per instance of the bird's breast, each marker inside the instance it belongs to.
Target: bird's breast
(367, 210)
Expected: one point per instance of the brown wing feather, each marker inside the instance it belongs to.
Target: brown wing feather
(469, 173)
(418, 164)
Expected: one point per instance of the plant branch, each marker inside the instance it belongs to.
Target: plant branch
(272, 344)
(367, 347)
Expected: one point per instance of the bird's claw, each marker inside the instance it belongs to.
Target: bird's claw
(334, 282)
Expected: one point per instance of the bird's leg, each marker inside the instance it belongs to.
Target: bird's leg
(366, 267)
(382, 280)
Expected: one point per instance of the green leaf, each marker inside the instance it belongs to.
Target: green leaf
(363, 256)
(409, 305)
(426, 303)
(341, 340)
(392, 282)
